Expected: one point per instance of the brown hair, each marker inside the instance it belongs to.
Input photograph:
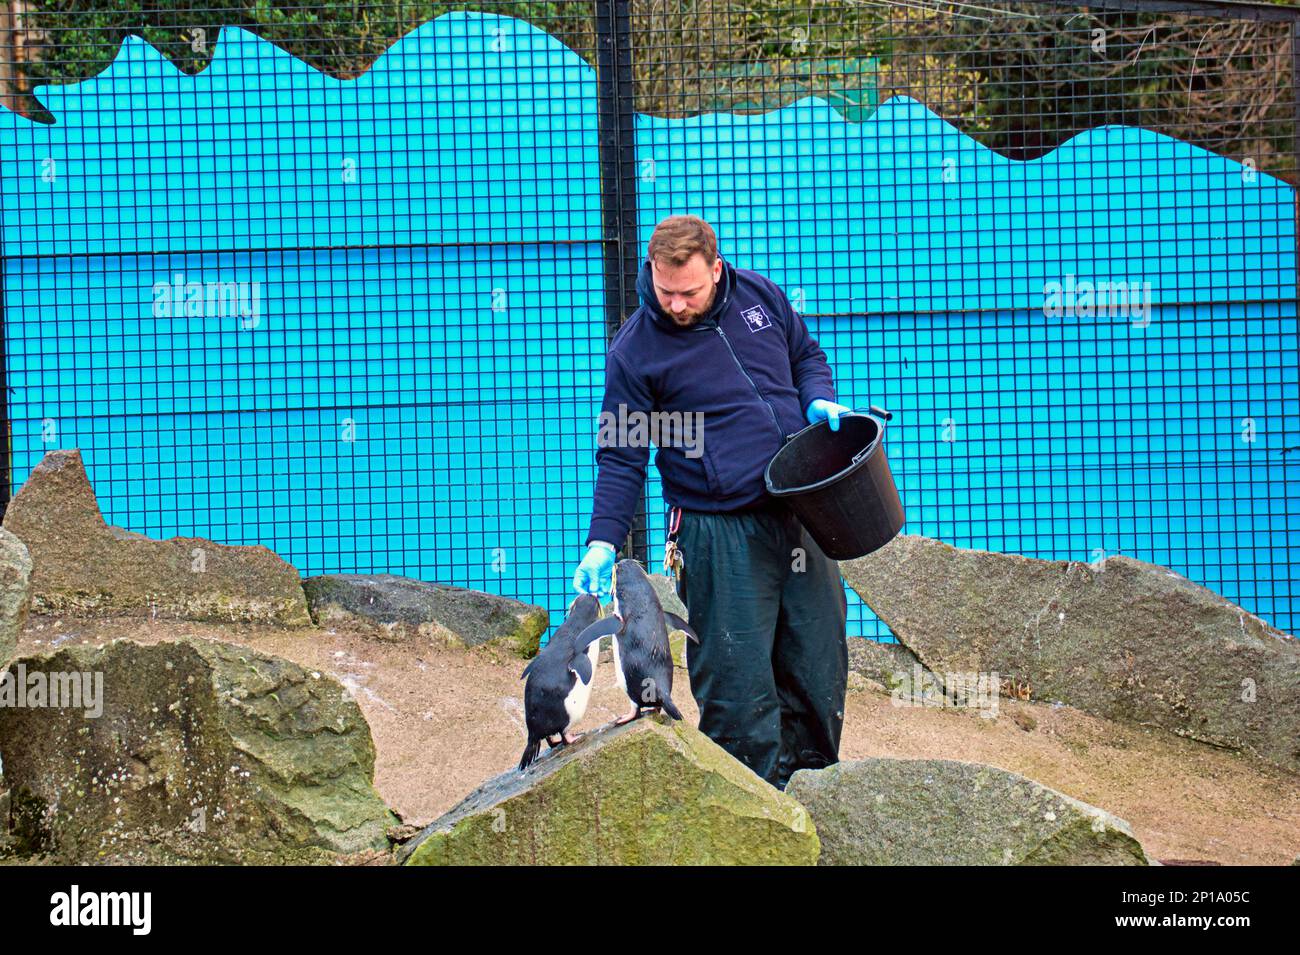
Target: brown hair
(677, 238)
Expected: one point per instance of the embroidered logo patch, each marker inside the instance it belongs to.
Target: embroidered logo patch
(755, 318)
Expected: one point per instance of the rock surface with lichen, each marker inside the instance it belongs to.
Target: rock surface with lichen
(651, 792)
(391, 607)
(15, 591)
(944, 812)
(889, 665)
(81, 565)
(1122, 639)
(202, 752)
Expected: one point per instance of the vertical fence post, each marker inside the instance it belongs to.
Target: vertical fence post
(6, 429)
(6, 432)
(618, 209)
(1295, 128)
(1292, 583)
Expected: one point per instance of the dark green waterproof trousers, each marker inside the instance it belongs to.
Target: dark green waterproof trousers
(771, 668)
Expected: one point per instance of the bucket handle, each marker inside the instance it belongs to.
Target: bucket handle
(875, 410)
(884, 416)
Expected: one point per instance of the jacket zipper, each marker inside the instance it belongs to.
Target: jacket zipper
(736, 359)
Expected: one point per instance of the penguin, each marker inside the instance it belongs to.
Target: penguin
(643, 661)
(559, 681)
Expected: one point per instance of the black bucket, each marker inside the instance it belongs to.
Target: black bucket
(839, 486)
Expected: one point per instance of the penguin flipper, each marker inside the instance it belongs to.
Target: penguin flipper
(601, 628)
(580, 666)
(679, 624)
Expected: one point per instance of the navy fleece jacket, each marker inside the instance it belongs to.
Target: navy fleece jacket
(750, 369)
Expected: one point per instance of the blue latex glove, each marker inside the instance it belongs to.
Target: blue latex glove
(823, 410)
(595, 574)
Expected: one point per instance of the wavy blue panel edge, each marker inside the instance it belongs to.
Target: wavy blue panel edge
(902, 212)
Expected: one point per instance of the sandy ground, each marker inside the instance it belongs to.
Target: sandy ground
(445, 720)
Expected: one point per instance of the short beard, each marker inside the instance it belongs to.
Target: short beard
(704, 311)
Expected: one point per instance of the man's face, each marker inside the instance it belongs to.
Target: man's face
(686, 293)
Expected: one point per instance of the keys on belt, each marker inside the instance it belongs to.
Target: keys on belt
(673, 563)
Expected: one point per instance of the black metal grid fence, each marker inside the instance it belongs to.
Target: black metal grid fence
(338, 278)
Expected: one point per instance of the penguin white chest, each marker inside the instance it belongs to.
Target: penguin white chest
(618, 667)
(575, 703)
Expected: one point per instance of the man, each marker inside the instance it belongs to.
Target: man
(723, 343)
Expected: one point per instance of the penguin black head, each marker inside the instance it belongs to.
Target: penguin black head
(582, 613)
(633, 592)
(585, 608)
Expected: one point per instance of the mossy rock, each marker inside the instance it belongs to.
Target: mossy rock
(945, 812)
(395, 608)
(651, 792)
(83, 566)
(194, 751)
(1118, 638)
(15, 592)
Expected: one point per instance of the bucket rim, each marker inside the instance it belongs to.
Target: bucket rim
(866, 454)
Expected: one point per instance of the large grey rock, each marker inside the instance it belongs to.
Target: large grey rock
(889, 664)
(6, 840)
(943, 812)
(651, 792)
(81, 565)
(396, 608)
(666, 588)
(1126, 640)
(199, 752)
(15, 591)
